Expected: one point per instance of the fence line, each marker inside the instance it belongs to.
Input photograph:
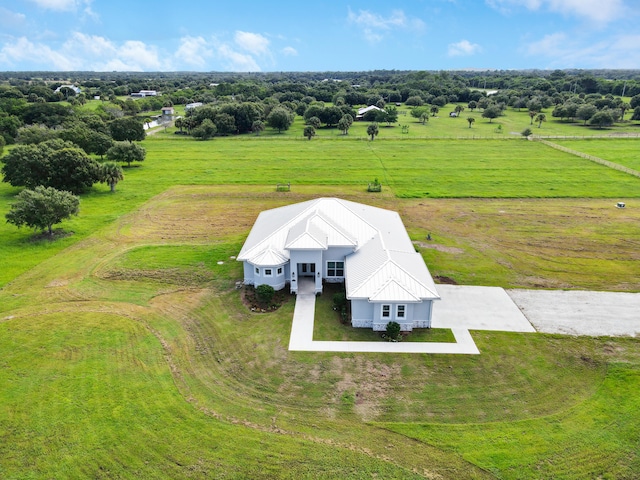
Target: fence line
(586, 156)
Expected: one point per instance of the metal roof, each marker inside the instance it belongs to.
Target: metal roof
(384, 266)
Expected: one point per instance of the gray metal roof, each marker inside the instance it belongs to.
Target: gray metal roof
(384, 266)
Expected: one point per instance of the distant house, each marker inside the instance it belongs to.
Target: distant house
(168, 111)
(145, 93)
(363, 111)
(77, 90)
(190, 106)
(330, 240)
(453, 114)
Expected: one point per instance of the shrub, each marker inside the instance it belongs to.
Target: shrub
(393, 330)
(526, 132)
(265, 293)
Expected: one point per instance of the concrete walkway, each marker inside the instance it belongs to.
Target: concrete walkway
(465, 308)
(302, 334)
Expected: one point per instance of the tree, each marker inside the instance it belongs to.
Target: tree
(31, 134)
(471, 120)
(225, 124)
(42, 207)
(257, 127)
(389, 115)
(636, 114)
(126, 152)
(372, 130)
(601, 119)
(526, 132)
(314, 122)
(532, 114)
(459, 109)
(344, 124)
(127, 129)
(53, 163)
(414, 101)
(280, 118)
(434, 110)
(309, 132)
(179, 123)
(491, 112)
(72, 170)
(472, 105)
(541, 118)
(206, 130)
(585, 112)
(623, 108)
(111, 173)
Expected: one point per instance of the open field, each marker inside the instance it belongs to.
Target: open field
(407, 168)
(137, 333)
(127, 351)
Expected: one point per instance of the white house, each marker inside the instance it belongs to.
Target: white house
(77, 90)
(145, 93)
(190, 106)
(335, 240)
(362, 111)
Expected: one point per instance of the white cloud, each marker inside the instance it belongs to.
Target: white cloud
(615, 52)
(374, 25)
(237, 62)
(463, 48)
(289, 52)
(193, 51)
(600, 11)
(252, 42)
(9, 19)
(22, 50)
(83, 52)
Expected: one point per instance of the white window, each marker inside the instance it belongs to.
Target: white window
(268, 272)
(335, 269)
(279, 271)
(257, 271)
(386, 311)
(400, 311)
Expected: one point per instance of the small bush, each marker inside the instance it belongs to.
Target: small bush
(265, 293)
(393, 330)
(526, 132)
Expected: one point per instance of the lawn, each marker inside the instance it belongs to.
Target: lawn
(128, 353)
(167, 349)
(410, 168)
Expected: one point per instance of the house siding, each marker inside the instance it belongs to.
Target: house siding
(361, 314)
(335, 254)
(298, 257)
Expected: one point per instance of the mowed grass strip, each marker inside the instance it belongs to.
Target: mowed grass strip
(91, 396)
(623, 151)
(413, 168)
(595, 439)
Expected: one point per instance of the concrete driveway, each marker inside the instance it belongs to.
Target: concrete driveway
(573, 312)
(478, 308)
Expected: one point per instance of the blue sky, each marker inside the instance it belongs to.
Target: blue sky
(107, 35)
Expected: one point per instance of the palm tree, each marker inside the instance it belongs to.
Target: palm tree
(532, 113)
(111, 173)
(541, 118)
(470, 120)
(434, 110)
(372, 130)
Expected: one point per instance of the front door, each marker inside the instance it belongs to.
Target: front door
(306, 269)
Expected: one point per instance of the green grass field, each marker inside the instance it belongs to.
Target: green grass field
(127, 351)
